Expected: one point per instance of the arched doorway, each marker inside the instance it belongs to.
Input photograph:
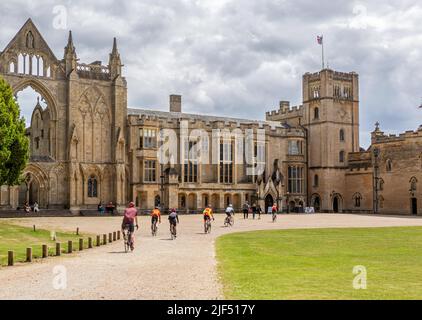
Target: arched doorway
(269, 201)
(30, 191)
(337, 204)
(292, 206)
(316, 203)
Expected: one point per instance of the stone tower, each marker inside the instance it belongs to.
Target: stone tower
(331, 117)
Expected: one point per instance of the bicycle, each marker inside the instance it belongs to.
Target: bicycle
(154, 228)
(274, 217)
(127, 238)
(208, 226)
(229, 221)
(173, 231)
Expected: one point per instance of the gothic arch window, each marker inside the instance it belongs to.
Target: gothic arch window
(357, 197)
(316, 180)
(92, 187)
(342, 135)
(12, 67)
(389, 165)
(341, 156)
(413, 183)
(21, 62)
(381, 202)
(316, 113)
(381, 184)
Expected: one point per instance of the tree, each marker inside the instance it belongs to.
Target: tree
(14, 145)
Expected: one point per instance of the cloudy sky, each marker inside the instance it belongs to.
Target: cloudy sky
(239, 58)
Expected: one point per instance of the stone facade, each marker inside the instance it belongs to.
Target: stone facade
(88, 147)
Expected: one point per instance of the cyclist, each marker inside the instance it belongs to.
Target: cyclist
(130, 221)
(173, 219)
(230, 212)
(208, 215)
(155, 216)
(274, 210)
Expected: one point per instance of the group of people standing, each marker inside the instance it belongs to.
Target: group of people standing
(254, 210)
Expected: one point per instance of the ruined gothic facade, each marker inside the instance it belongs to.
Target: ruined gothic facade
(88, 147)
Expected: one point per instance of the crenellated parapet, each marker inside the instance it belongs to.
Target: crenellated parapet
(285, 112)
(380, 137)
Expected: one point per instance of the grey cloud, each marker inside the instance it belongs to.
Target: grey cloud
(239, 58)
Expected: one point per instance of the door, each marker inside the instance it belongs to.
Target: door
(269, 201)
(335, 204)
(414, 206)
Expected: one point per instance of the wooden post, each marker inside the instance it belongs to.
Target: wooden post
(34, 228)
(114, 236)
(104, 239)
(77, 231)
(110, 237)
(10, 258)
(81, 244)
(89, 243)
(44, 251)
(98, 241)
(118, 235)
(58, 249)
(28, 254)
(69, 246)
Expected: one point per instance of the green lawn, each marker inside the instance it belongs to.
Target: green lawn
(18, 238)
(318, 263)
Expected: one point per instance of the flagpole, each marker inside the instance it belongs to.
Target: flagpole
(323, 64)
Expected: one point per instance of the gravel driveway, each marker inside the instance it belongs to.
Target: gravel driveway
(158, 268)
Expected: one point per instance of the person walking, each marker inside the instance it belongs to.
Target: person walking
(259, 211)
(254, 210)
(246, 210)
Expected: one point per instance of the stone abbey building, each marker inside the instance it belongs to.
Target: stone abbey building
(88, 147)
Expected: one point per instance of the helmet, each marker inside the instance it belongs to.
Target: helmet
(131, 204)
(173, 210)
(230, 205)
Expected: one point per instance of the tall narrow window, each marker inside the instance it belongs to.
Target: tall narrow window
(357, 199)
(92, 187)
(342, 135)
(295, 179)
(190, 161)
(226, 162)
(381, 184)
(389, 165)
(150, 171)
(341, 156)
(413, 183)
(316, 113)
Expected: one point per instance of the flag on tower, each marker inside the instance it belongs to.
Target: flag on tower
(320, 39)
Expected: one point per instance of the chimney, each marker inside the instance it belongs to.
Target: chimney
(175, 103)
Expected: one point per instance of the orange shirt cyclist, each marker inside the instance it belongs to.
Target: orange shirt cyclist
(208, 214)
(155, 215)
